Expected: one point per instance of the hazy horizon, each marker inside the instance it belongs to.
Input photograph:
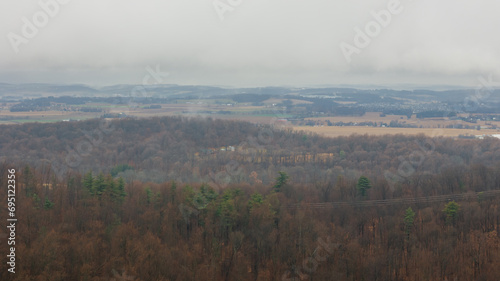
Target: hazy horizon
(396, 87)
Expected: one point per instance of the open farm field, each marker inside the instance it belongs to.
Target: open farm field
(203, 109)
(424, 122)
(7, 117)
(334, 131)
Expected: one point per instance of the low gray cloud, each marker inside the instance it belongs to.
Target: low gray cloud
(258, 42)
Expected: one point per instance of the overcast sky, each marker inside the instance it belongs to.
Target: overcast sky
(254, 43)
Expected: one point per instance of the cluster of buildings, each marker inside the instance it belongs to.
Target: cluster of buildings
(491, 136)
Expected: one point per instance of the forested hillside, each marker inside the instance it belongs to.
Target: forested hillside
(221, 152)
(201, 199)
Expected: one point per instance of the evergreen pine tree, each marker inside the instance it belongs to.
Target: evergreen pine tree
(363, 185)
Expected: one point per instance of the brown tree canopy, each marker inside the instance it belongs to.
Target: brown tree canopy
(159, 199)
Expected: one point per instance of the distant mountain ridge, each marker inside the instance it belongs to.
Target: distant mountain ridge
(200, 91)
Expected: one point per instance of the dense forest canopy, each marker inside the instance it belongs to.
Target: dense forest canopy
(197, 150)
(200, 199)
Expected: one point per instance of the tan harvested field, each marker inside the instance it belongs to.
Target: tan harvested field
(276, 101)
(425, 123)
(334, 131)
(430, 126)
